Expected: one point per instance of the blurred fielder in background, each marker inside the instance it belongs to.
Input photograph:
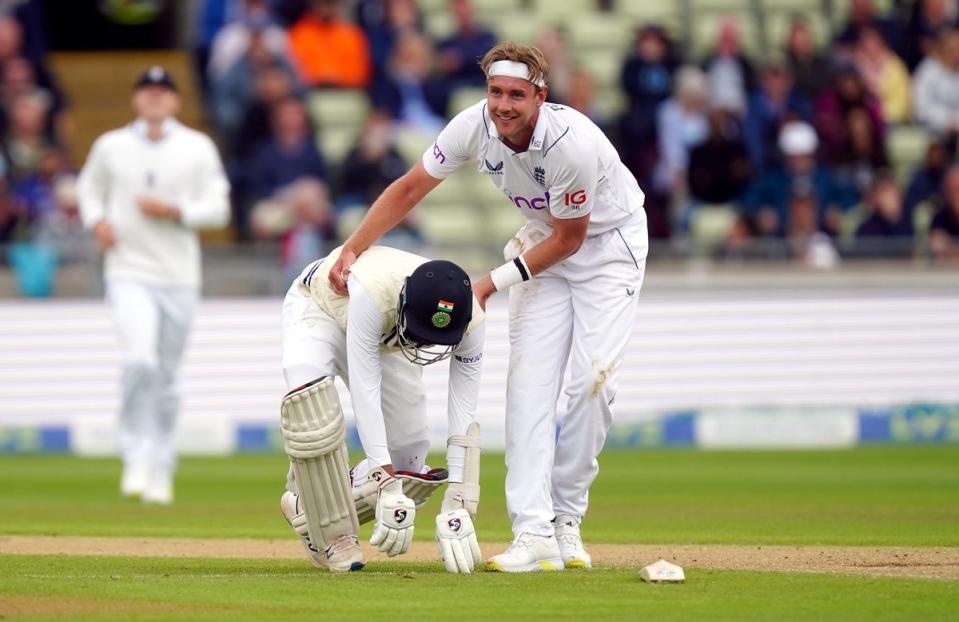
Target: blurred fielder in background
(144, 190)
(400, 313)
(585, 243)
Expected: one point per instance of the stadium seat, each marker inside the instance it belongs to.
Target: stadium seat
(778, 22)
(411, 144)
(706, 28)
(710, 225)
(550, 10)
(451, 223)
(440, 24)
(337, 108)
(335, 142)
(348, 220)
(599, 32)
(906, 145)
(518, 26)
(503, 220)
(464, 97)
(665, 14)
(605, 67)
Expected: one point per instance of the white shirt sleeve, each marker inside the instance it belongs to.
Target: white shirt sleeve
(465, 367)
(572, 190)
(364, 326)
(208, 204)
(452, 147)
(92, 186)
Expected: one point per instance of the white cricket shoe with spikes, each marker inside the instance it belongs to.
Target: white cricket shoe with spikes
(344, 555)
(528, 553)
(571, 547)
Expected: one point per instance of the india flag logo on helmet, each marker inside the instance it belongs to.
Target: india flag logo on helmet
(442, 319)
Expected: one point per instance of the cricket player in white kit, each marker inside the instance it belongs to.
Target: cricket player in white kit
(402, 312)
(573, 271)
(144, 190)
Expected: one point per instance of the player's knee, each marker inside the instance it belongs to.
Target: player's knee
(140, 373)
(599, 385)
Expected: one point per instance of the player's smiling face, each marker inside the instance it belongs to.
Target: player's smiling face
(514, 107)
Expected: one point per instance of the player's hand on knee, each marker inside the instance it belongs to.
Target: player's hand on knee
(395, 512)
(456, 539)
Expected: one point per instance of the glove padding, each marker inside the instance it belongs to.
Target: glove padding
(456, 539)
(393, 531)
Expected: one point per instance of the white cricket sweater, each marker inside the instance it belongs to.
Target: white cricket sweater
(182, 168)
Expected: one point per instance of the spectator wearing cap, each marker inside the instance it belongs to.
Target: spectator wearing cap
(329, 51)
(935, 88)
(767, 202)
(774, 103)
(143, 191)
(944, 228)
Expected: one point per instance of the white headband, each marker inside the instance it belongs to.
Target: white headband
(513, 69)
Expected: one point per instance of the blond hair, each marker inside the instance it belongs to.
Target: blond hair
(529, 55)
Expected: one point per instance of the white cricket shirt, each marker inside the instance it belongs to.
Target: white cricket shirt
(569, 170)
(182, 168)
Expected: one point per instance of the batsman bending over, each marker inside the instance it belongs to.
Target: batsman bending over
(402, 312)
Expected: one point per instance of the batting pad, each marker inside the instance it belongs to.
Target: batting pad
(417, 486)
(314, 437)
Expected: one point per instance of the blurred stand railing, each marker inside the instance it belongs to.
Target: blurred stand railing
(256, 268)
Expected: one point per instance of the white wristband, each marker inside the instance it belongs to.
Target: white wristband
(510, 273)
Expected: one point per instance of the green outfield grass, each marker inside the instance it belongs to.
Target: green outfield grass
(868, 496)
(906, 496)
(87, 588)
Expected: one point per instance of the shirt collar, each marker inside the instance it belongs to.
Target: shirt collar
(539, 132)
(139, 127)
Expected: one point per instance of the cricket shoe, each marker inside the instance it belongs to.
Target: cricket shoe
(159, 490)
(344, 555)
(134, 480)
(528, 553)
(571, 547)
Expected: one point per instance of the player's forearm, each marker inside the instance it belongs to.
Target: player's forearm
(551, 251)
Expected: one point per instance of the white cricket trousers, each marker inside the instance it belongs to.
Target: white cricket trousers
(580, 311)
(152, 323)
(314, 345)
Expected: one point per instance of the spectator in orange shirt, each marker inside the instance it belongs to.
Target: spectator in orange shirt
(328, 50)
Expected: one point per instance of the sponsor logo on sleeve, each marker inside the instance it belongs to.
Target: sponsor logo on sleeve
(476, 358)
(438, 153)
(575, 199)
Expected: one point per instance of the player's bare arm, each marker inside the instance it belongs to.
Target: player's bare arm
(567, 236)
(385, 213)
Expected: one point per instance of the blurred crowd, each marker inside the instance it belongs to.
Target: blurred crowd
(37, 178)
(790, 146)
(796, 145)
